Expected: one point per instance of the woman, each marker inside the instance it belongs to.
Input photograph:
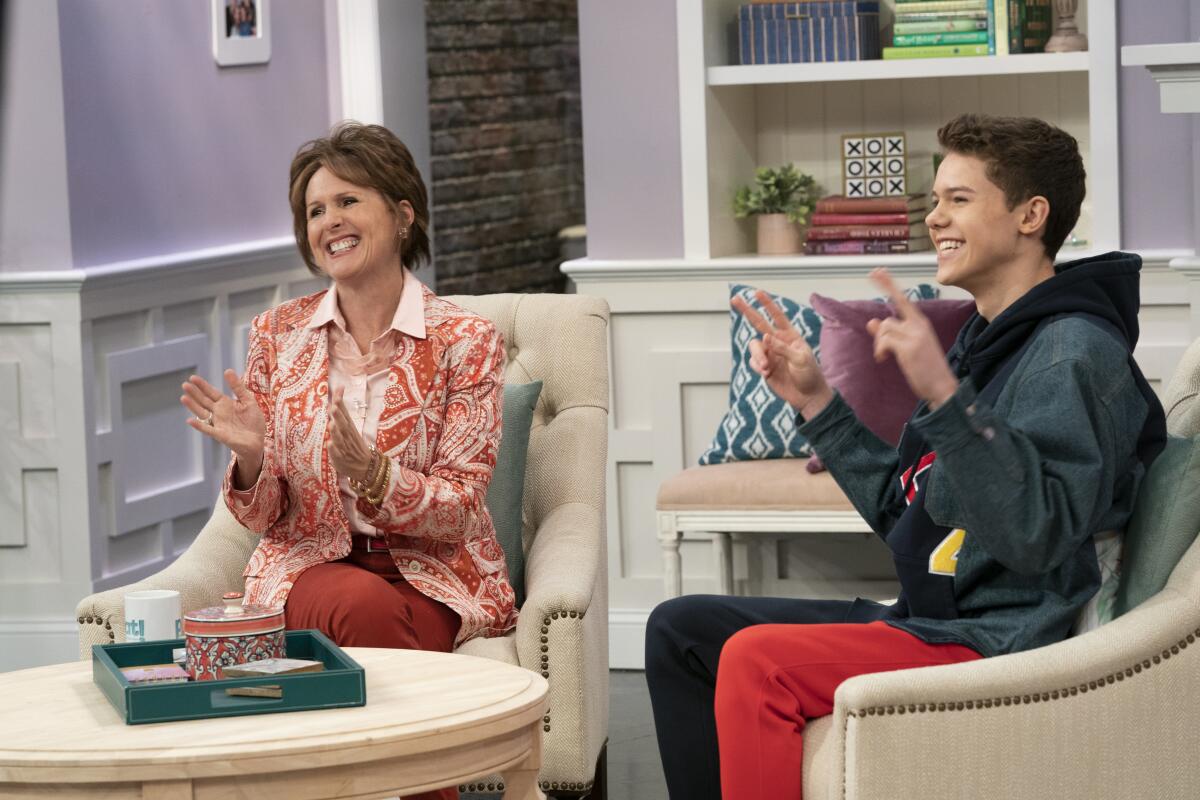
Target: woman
(365, 428)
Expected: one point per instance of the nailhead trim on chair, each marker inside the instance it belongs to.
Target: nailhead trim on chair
(546, 620)
(96, 620)
(482, 787)
(1070, 691)
(566, 786)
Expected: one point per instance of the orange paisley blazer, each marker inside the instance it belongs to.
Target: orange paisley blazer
(440, 426)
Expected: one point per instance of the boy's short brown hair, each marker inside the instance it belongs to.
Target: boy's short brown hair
(365, 155)
(1026, 157)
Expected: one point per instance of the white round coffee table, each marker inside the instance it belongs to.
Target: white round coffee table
(431, 720)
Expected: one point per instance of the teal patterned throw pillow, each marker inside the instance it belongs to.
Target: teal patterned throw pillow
(759, 424)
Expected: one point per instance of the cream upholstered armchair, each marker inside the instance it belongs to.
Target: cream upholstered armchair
(563, 628)
(1108, 714)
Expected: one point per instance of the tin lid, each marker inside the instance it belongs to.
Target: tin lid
(233, 618)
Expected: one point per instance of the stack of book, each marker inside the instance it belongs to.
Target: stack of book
(868, 225)
(949, 28)
(808, 31)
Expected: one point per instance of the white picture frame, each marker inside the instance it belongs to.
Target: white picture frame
(244, 40)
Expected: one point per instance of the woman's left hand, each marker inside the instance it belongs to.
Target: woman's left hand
(348, 452)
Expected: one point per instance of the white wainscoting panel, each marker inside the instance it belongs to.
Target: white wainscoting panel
(101, 480)
(669, 348)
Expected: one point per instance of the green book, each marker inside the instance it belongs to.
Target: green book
(930, 6)
(923, 39)
(944, 26)
(935, 51)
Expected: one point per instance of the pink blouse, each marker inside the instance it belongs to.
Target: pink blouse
(363, 377)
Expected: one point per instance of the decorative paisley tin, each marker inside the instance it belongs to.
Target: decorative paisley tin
(221, 636)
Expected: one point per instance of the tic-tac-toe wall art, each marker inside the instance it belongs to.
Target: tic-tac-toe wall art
(874, 165)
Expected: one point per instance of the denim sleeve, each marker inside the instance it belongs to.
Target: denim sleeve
(863, 465)
(1029, 487)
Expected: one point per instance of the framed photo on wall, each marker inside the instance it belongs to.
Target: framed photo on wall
(241, 31)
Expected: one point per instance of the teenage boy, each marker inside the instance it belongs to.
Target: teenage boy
(1031, 437)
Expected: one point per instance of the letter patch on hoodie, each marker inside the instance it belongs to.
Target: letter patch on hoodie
(944, 558)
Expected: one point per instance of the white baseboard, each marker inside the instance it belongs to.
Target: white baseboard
(627, 638)
(37, 642)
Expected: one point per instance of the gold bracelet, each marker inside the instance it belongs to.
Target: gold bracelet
(375, 498)
(374, 471)
(378, 477)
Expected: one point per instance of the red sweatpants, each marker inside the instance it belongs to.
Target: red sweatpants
(771, 679)
(364, 601)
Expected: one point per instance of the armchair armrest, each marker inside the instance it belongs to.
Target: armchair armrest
(560, 573)
(562, 634)
(1106, 714)
(211, 566)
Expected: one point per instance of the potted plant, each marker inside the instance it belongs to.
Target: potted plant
(781, 200)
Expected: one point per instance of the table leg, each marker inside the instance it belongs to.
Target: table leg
(521, 780)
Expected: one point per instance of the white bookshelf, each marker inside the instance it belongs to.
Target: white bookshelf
(735, 118)
(1023, 64)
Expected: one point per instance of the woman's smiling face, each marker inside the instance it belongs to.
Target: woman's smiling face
(352, 230)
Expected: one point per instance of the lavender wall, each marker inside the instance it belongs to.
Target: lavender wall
(1158, 150)
(35, 228)
(166, 151)
(630, 98)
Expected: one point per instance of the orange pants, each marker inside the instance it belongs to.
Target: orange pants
(772, 678)
(364, 601)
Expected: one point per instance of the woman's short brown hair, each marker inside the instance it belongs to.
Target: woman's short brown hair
(366, 155)
(1026, 157)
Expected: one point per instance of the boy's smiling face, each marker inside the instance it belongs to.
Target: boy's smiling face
(973, 229)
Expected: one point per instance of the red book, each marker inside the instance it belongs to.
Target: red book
(914, 231)
(898, 218)
(866, 247)
(838, 204)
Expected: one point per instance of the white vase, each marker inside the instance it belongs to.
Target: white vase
(777, 236)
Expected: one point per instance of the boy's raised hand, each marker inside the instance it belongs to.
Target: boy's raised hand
(784, 359)
(909, 337)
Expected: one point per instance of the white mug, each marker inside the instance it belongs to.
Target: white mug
(153, 614)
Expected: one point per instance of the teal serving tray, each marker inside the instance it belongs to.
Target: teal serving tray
(342, 683)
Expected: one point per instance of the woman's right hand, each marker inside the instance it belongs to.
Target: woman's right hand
(784, 359)
(236, 422)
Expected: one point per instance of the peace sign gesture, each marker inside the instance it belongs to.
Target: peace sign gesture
(909, 337)
(784, 359)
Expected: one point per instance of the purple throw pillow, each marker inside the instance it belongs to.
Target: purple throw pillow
(878, 393)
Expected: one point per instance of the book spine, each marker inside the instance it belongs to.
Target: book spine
(904, 18)
(1001, 27)
(829, 38)
(758, 26)
(866, 205)
(820, 219)
(991, 29)
(863, 247)
(941, 26)
(941, 5)
(859, 232)
(922, 39)
(1016, 19)
(935, 51)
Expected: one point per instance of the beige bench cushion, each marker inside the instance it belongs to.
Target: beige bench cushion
(775, 484)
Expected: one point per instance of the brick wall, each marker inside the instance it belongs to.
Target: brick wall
(506, 138)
